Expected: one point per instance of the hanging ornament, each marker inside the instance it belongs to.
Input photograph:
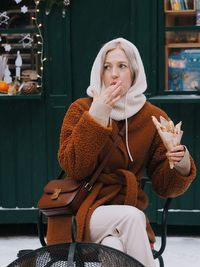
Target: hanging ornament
(4, 18)
(60, 3)
(18, 1)
(7, 47)
(65, 4)
(26, 40)
(24, 9)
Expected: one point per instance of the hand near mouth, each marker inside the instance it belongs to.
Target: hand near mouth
(110, 95)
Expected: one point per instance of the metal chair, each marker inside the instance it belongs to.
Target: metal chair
(157, 254)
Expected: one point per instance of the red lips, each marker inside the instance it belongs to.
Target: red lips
(113, 83)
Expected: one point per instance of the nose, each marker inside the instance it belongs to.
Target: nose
(115, 73)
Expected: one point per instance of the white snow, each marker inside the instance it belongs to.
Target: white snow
(180, 251)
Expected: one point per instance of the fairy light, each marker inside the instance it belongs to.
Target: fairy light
(39, 42)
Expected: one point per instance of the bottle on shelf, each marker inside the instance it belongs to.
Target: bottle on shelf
(18, 64)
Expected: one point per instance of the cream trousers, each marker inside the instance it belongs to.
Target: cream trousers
(124, 228)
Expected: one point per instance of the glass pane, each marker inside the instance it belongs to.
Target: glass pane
(182, 53)
(27, 44)
(183, 67)
(20, 47)
(16, 14)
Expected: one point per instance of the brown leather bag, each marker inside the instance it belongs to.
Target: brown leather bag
(65, 196)
(62, 196)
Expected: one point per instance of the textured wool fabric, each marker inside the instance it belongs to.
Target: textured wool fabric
(134, 100)
(83, 145)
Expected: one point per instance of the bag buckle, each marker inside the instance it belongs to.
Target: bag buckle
(56, 193)
(88, 186)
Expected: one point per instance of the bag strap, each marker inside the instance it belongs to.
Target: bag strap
(97, 172)
(61, 174)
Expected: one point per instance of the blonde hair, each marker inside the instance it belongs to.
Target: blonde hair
(128, 52)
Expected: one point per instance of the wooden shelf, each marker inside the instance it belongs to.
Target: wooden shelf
(181, 16)
(6, 97)
(181, 12)
(194, 28)
(183, 45)
(19, 30)
(186, 99)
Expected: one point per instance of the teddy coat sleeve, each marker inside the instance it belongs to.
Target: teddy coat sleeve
(166, 182)
(81, 141)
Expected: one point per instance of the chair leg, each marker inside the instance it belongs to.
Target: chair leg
(161, 262)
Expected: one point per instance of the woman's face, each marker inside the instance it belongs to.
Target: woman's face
(117, 68)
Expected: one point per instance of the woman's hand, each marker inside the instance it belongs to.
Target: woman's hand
(176, 154)
(110, 95)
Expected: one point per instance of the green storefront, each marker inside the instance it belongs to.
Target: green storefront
(30, 124)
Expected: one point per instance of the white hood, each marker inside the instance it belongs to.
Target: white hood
(134, 99)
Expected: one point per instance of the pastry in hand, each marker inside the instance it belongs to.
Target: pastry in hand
(169, 133)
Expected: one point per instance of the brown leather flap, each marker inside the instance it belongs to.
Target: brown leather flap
(66, 185)
(46, 202)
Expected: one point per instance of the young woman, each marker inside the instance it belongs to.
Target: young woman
(113, 212)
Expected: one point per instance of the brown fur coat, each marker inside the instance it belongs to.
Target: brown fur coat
(84, 143)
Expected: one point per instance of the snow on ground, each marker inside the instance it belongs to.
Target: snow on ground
(180, 251)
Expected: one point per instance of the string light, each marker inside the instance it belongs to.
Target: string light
(40, 53)
(40, 42)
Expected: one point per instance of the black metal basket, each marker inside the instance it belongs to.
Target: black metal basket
(75, 254)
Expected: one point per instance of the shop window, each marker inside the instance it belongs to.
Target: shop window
(21, 48)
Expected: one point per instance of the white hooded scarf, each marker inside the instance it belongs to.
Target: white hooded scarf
(134, 99)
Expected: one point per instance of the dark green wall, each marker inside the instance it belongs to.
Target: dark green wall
(30, 128)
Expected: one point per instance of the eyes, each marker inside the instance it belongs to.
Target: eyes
(120, 66)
